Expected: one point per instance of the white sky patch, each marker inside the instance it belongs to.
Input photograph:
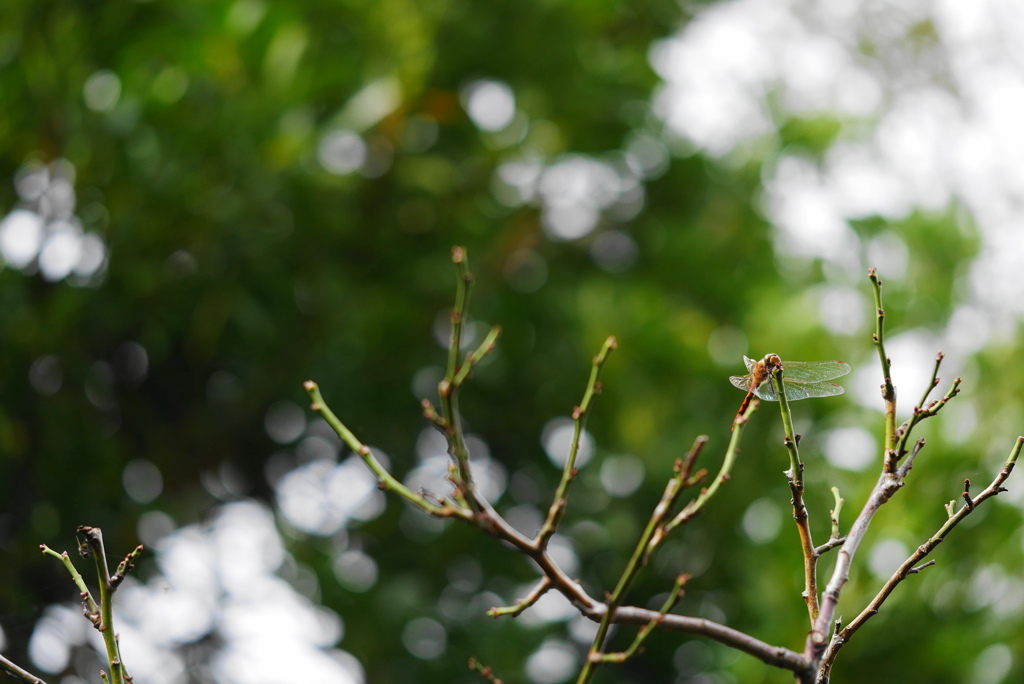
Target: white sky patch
(808, 220)
(885, 556)
(843, 309)
(889, 254)
(323, 496)
(102, 90)
(913, 360)
(935, 117)
(851, 448)
(217, 581)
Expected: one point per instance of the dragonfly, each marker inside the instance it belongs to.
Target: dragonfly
(802, 380)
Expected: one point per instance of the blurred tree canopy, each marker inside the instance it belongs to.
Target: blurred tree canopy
(219, 200)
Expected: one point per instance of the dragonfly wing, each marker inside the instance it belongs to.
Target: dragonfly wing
(766, 391)
(809, 390)
(751, 364)
(816, 371)
(741, 381)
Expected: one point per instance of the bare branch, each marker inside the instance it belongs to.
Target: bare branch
(828, 546)
(910, 566)
(776, 656)
(17, 672)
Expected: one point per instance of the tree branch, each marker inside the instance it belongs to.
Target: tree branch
(16, 672)
(910, 567)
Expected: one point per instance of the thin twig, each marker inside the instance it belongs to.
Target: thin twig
(934, 381)
(448, 388)
(388, 481)
(523, 603)
(92, 610)
(819, 551)
(682, 478)
(579, 419)
(17, 672)
(888, 390)
(923, 412)
(485, 671)
(645, 631)
(776, 656)
(909, 462)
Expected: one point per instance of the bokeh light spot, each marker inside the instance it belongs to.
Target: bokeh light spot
(614, 251)
(355, 570)
(102, 90)
(342, 152)
(45, 375)
(762, 521)
(885, 556)
(21, 236)
(490, 104)
(621, 475)
(142, 480)
(285, 421)
(555, 661)
(425, 638)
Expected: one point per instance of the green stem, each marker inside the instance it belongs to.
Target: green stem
(522, 604)
(94, 540)
(458, 315)
(387, 480)
(888, 390)
(796, 467)
(75, 576)
(645, 631)
(579, 418)
(801, 517)
(834, 513)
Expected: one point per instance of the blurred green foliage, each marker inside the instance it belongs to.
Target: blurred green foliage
(243, 267)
